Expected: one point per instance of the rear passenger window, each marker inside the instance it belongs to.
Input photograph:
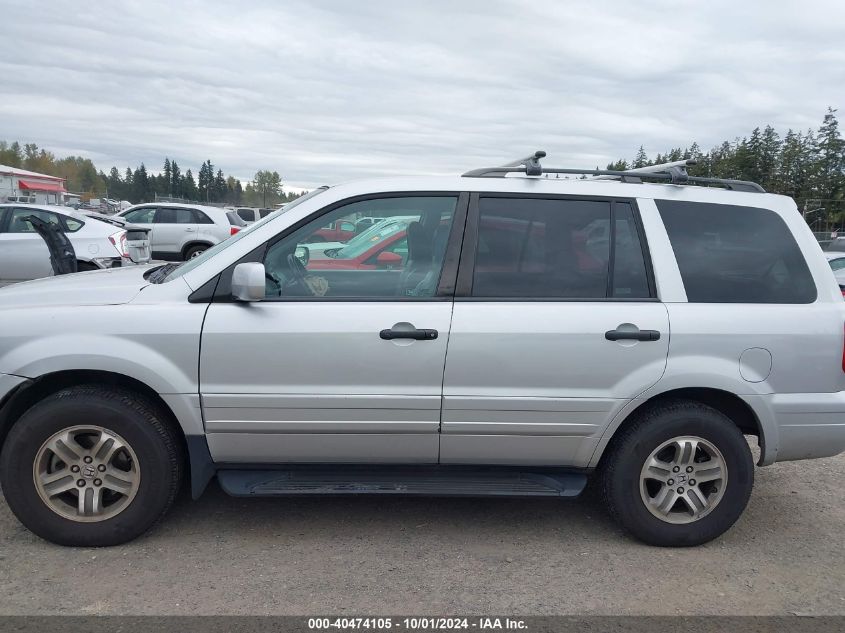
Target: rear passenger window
(558, 249)
(72, 224)
(733, 254)
(168, 215)
(200, 217)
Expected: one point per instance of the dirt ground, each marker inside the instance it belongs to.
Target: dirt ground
(378, 555)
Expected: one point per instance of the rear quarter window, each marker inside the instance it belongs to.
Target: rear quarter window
(735, 254)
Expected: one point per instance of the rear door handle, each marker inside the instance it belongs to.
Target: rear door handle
(632, 335)
(417, 335)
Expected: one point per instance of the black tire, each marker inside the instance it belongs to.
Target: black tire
(120, 411)
(193, 251)
(629, 450)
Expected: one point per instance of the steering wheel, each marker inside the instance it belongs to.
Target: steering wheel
(298, 274)
(276, 285)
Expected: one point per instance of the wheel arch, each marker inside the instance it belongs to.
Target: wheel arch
(189, 245)
(734, 407)
(193, 448)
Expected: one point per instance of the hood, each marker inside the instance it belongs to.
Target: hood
(98, 287)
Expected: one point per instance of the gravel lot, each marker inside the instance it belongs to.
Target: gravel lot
(444, 556)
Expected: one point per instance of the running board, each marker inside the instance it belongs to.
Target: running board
(434, 481)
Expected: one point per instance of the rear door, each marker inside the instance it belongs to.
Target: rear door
(23, 253)
(336, 365)
(174, 227)
(207, 230)
(556, 326)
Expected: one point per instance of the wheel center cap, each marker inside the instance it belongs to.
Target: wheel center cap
(88, 471)
(680, 478)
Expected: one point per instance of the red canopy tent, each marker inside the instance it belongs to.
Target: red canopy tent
(57, 187)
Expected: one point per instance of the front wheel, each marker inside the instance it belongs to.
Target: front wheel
(680, 475)
(90, 466)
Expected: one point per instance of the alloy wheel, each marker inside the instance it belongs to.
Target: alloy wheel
(683, 479)
(86, 473)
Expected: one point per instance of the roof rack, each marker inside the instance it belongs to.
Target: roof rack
(674, 172)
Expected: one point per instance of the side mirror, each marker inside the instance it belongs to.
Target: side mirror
(248, 282)
(303, 254)
(388, 259)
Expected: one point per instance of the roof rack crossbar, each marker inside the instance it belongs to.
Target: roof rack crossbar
(674, 172)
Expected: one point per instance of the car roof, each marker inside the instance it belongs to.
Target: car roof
(176, 205)
(46, 207)
(562, 186)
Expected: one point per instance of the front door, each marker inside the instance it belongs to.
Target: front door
(342, 362)
(555, 327)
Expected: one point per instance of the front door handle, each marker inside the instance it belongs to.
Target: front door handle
(189, 230)
(415, 334)
(632, 335)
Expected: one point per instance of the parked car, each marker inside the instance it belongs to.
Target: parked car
(837, 244)
(557, 369)
(339, 231)
(371, 238)
(250, 214)
(182, 231)
(25, 256)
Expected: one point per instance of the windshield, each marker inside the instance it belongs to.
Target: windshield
(211, 252)
(378, 232)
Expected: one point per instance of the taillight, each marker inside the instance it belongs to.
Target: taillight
(233, 230)
(118, 240)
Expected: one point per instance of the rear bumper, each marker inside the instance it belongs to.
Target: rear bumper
(805, 425)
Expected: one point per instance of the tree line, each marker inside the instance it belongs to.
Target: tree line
(140, 185)
(808, 166)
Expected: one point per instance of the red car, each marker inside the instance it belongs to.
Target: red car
(338, 231)
(384, 248)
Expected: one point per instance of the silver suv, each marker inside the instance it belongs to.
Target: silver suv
(518, 336)
(183, 231)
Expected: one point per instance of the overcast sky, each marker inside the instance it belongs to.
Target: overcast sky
(328, 91)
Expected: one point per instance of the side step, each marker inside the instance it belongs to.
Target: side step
(432, 481)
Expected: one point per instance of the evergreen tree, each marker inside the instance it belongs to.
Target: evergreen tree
(140, 185)
(830, 159)
(189, 187)
(641, 160)
(164, 185)
(175, 181)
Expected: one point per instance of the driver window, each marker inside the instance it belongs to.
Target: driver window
(399, 255)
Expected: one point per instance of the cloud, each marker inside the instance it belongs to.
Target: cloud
(328, 91)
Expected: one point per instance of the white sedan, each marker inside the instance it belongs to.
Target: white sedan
(24, 254)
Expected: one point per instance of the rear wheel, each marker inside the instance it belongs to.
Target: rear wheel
(195, 251)
(680, 475)
(90, 466)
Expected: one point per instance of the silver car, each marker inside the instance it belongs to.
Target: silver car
(182, 231)
(25, 256)
(521, 335)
